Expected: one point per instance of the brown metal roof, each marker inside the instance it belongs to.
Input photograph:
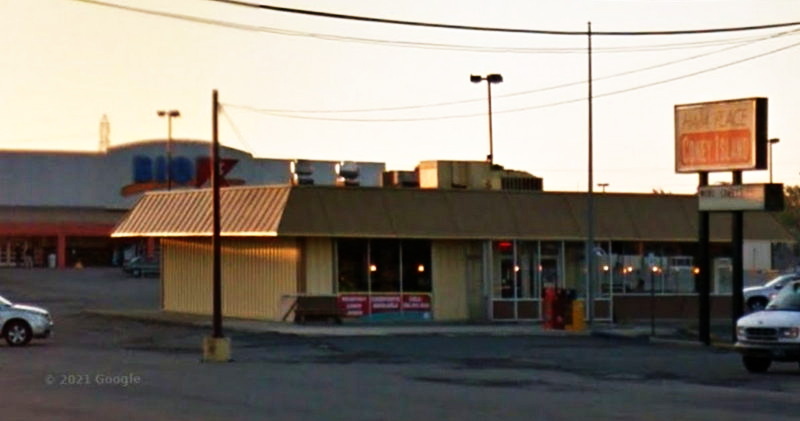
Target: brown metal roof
(248, 211)
(435, 214)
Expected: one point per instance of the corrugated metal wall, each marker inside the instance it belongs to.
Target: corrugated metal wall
(256, 273)
(449, 260)
(319, 265)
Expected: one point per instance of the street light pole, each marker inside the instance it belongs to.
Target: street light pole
(771, 142)
(490, 79)
(603, 186)
(169, 114)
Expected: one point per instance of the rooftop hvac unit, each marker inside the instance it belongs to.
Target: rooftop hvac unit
(302, 172)
(400, 179)
(347, 173)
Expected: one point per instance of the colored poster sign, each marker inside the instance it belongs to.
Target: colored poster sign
(360, 305)
(721, 136)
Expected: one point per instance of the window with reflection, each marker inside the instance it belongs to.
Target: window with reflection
(378, 265)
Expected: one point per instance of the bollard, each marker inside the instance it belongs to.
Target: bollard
(578, 317)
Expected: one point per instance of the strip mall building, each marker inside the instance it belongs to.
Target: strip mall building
(59, 208)
(467, 243)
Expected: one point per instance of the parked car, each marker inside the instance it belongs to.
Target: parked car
(140, 266)
(20, 323)
(772, 334)
(756, 298)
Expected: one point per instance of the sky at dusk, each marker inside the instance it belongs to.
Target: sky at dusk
(296, 86)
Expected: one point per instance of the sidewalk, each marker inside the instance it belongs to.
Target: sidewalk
(348, 328)
(675, 335)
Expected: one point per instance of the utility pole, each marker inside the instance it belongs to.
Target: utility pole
(590, 199)
(216, 348)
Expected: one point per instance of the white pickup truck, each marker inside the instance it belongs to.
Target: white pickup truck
(772, 334)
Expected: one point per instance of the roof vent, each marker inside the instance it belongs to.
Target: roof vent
(347, 173)
(302, 172)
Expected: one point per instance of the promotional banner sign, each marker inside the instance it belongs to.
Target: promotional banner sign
(743, 197)
(361, 305)
(721, 136)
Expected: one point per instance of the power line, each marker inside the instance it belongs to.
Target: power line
(414, 44)
(236, 129)
(369, 19)
(520, 109)
(525, 92)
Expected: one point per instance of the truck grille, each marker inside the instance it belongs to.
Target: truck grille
(762, 333)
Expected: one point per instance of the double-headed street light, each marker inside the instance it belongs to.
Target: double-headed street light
(169, 115)
(490, 79)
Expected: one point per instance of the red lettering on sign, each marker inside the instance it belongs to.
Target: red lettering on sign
(728, 148)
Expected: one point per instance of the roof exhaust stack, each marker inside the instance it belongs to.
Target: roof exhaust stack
(347, 174)
(302, 172)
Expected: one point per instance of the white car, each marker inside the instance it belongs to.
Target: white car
(772, 334)
(21, 323)
(756, 298)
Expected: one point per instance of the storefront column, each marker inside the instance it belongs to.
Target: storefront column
(61, 251)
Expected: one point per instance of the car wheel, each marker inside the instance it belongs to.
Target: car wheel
(17, 333)
(757, 304)
(756, 364)
(137, 273)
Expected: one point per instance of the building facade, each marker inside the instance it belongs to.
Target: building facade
(434, 254)
(59, 208)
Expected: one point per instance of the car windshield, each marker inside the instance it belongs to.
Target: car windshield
(787, 299)
(4, 302)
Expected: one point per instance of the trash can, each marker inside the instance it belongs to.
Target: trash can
(51, 260)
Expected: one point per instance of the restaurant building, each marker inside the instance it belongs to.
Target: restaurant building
(482, 250)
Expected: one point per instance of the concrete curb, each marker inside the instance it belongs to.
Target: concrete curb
(250, 326)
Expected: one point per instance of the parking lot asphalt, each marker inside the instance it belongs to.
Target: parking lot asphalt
(108, 327)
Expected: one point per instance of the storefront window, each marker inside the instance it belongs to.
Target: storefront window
(352, 264)
(416, 265)
(375, 265)
(384, 265)
(528, 270)
(550, 264)
(504, 274)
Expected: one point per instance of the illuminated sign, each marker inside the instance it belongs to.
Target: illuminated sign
(721, 136)
(743, 197)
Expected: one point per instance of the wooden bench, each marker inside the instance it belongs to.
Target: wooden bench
(321, 307)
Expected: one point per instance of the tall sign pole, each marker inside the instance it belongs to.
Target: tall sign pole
(703, 274)
(590, 198)
(216, 348)
(737, 235)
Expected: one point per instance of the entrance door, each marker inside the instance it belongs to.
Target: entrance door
(606, 280)
(518, 275)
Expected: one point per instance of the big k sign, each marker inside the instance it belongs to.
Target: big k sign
(721, 136)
